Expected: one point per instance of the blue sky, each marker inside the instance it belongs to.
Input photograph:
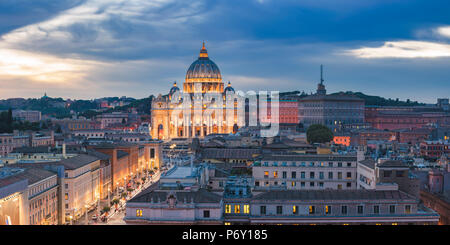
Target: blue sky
(95, 48)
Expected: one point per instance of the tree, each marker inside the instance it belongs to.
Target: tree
(106, 209)
(318, 133)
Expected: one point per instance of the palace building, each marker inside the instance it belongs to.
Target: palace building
(202, 77)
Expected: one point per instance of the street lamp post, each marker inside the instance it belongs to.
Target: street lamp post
(86, 214)
(109, 201)
(98, 204)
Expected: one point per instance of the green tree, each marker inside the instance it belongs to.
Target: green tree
(318, 133)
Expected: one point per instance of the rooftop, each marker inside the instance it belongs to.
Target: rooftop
(12, 175)
(199, 196)
(78, 161)
(333, 195)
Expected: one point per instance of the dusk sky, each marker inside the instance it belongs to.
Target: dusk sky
(84, 49)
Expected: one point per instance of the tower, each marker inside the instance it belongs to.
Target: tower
(320, 87)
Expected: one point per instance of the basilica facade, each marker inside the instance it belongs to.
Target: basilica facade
(195, 119)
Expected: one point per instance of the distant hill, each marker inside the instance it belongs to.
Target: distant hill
(380, 101)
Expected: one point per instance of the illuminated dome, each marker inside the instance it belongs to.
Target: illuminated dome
(174, 88)
(228, 88)
(203, 69)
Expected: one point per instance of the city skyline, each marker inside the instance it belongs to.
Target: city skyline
(86, 49)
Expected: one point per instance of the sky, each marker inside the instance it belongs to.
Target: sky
(85, 49)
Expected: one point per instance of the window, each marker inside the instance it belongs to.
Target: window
(311, 175)
(67, 186)
(399, 173)
(349, 164)
(302, 175)
(293, 183)
(138, 212)
(344, 209)
(387, 174)
(320, 175)
(321, 184)
(360, 209)
(262, 209)
(294, 209)
(327, 209)
(294, 175)
(349, 175)
(407, 209)
(205, 213)
(311, 184)
(246, 209)
(237, 209)
(339, 175)
(312, 209)
(275, 174)
(330, 175)
(392, 209)
(227, 208)
(66, 196)
(279, 209)
(330, 164)
(339, 186)
(376, 209)
(302, 184)
(349, 184)
(339, 164)
(284, 174)
(256, 183)
(266, 174)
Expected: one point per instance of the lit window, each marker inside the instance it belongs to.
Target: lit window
(237, 209)
(227, 208)
(138, 212)
(275, 174)
(227, 223)
(407, 209)
(266, 174)
(311, 209)
(294, 209)
(246, 209)
(327, 209)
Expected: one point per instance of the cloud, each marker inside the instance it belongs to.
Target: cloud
(444, 31)
(403, 49)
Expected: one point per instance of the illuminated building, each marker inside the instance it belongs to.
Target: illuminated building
(28, 196)
(203, 76)
(332, 110)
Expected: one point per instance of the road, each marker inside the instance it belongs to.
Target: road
(116, 218)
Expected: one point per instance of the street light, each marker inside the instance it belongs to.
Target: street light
(109, 190)
(86, 218)
(71, 218)
(98, 205)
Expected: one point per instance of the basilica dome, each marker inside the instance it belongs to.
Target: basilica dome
(174, 88)
(203, 69)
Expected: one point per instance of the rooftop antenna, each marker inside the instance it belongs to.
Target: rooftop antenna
(321, 74)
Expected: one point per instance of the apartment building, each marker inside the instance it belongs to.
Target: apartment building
(28, 196)
(305, 172)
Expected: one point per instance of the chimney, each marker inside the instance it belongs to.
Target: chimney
(192, 164)
(64, 150)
